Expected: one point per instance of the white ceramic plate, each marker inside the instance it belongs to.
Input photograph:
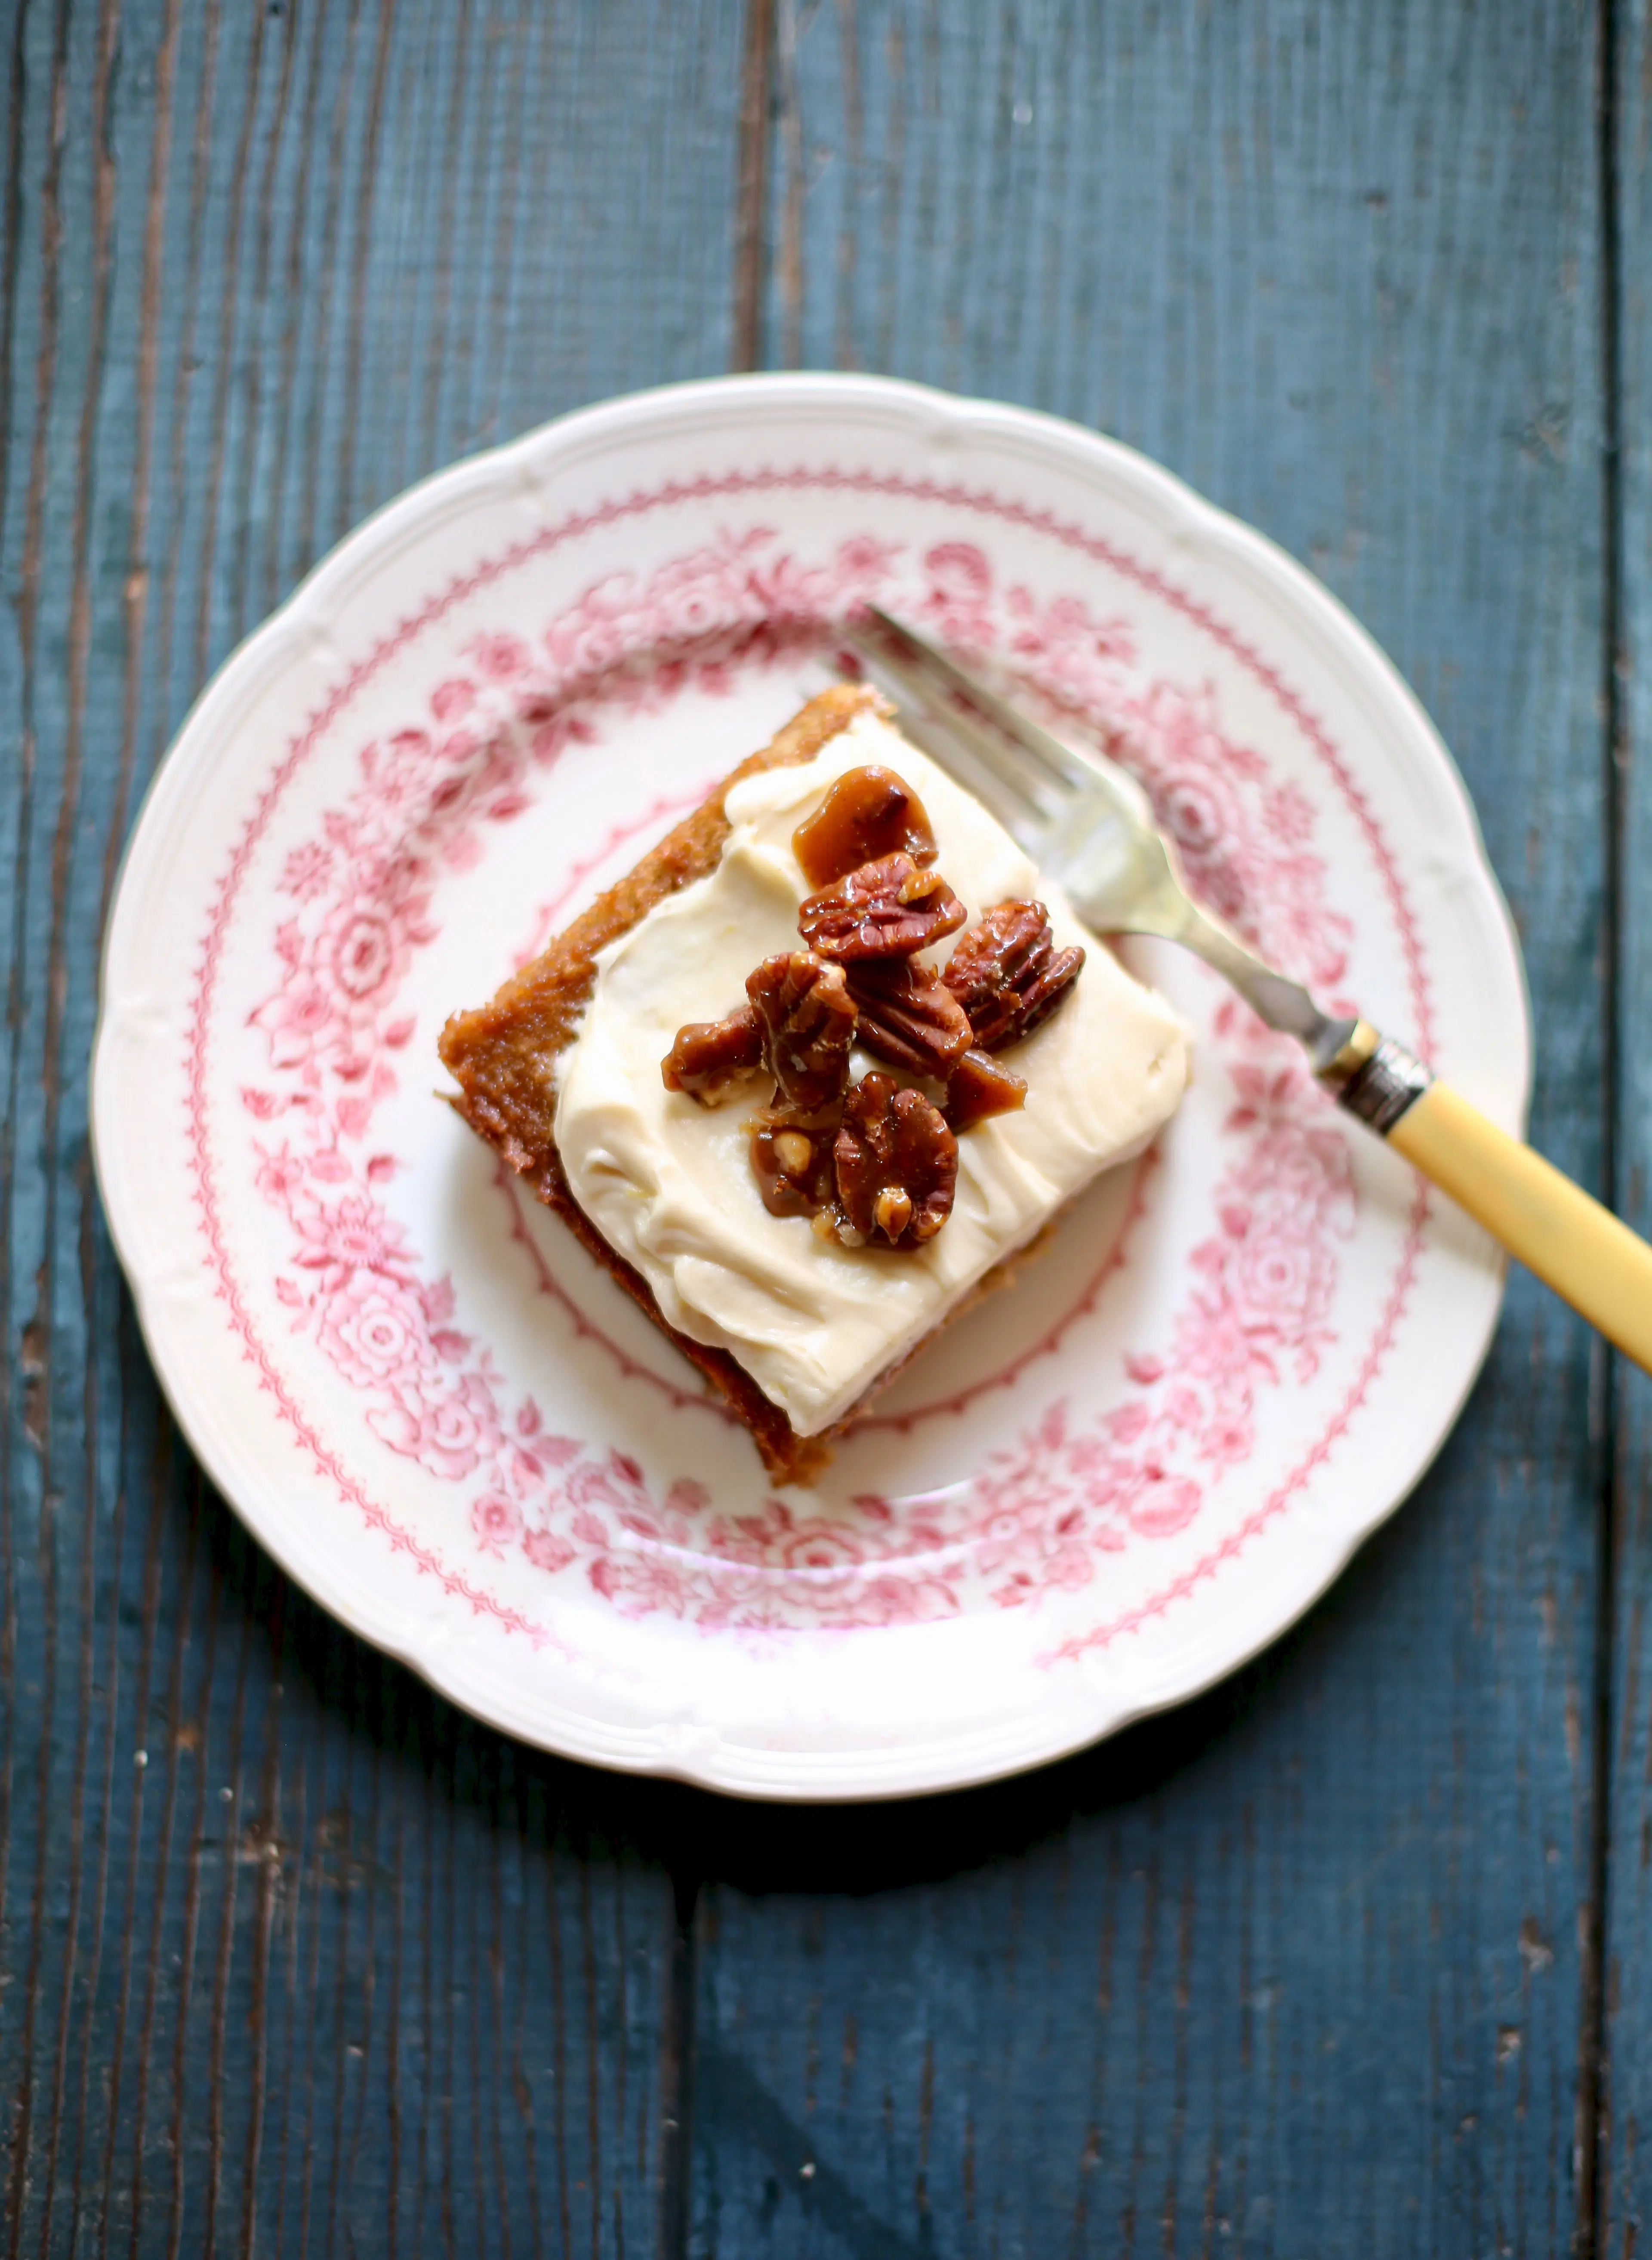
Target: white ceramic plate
(1095, 1496)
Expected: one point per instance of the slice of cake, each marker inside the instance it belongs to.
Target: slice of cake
(820, 1063)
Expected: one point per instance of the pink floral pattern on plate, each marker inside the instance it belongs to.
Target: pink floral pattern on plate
(1044, 1513)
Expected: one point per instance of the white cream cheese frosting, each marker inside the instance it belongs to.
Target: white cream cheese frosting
(669, 1183)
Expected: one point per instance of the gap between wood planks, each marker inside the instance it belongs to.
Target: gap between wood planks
(746, 347)
(1591, 2144)
(751, 239)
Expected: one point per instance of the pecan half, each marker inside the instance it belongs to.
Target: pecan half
(1008, 975)
(708, 1055)
(808, 1023)
(887, 908)
(978, 1087)
(896, 1163)
(867, 812)
(909, 1016)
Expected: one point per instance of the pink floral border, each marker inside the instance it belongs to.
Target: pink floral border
(1124, 1463)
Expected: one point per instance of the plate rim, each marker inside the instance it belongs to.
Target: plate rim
(1086, 1712)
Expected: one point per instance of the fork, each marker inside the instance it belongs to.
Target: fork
(1088, 824)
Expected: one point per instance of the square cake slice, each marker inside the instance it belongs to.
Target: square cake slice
(799, 1295)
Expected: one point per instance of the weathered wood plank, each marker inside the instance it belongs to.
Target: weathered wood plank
(1304, 1968)
(288, 1951)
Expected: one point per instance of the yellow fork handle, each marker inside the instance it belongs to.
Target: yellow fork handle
(1583, 1251)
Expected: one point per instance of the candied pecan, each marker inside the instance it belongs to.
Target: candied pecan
(896, 1163)
(887, 908)
(808, 1023)
(1008, 975)
(794, 1168)
(979, 1087)
(908, 1016)
(867, 814)
(707, 1055)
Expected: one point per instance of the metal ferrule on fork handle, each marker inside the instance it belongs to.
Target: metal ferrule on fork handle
(1375, 1078)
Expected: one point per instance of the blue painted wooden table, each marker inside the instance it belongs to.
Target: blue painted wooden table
(1352, 1956)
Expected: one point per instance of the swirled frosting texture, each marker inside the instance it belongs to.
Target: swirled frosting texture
(668, 1184)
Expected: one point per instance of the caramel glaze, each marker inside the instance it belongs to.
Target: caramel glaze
(980, 1086)
(868, 813)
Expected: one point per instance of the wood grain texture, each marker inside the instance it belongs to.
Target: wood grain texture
(1307, 1968)
(291, 1956)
